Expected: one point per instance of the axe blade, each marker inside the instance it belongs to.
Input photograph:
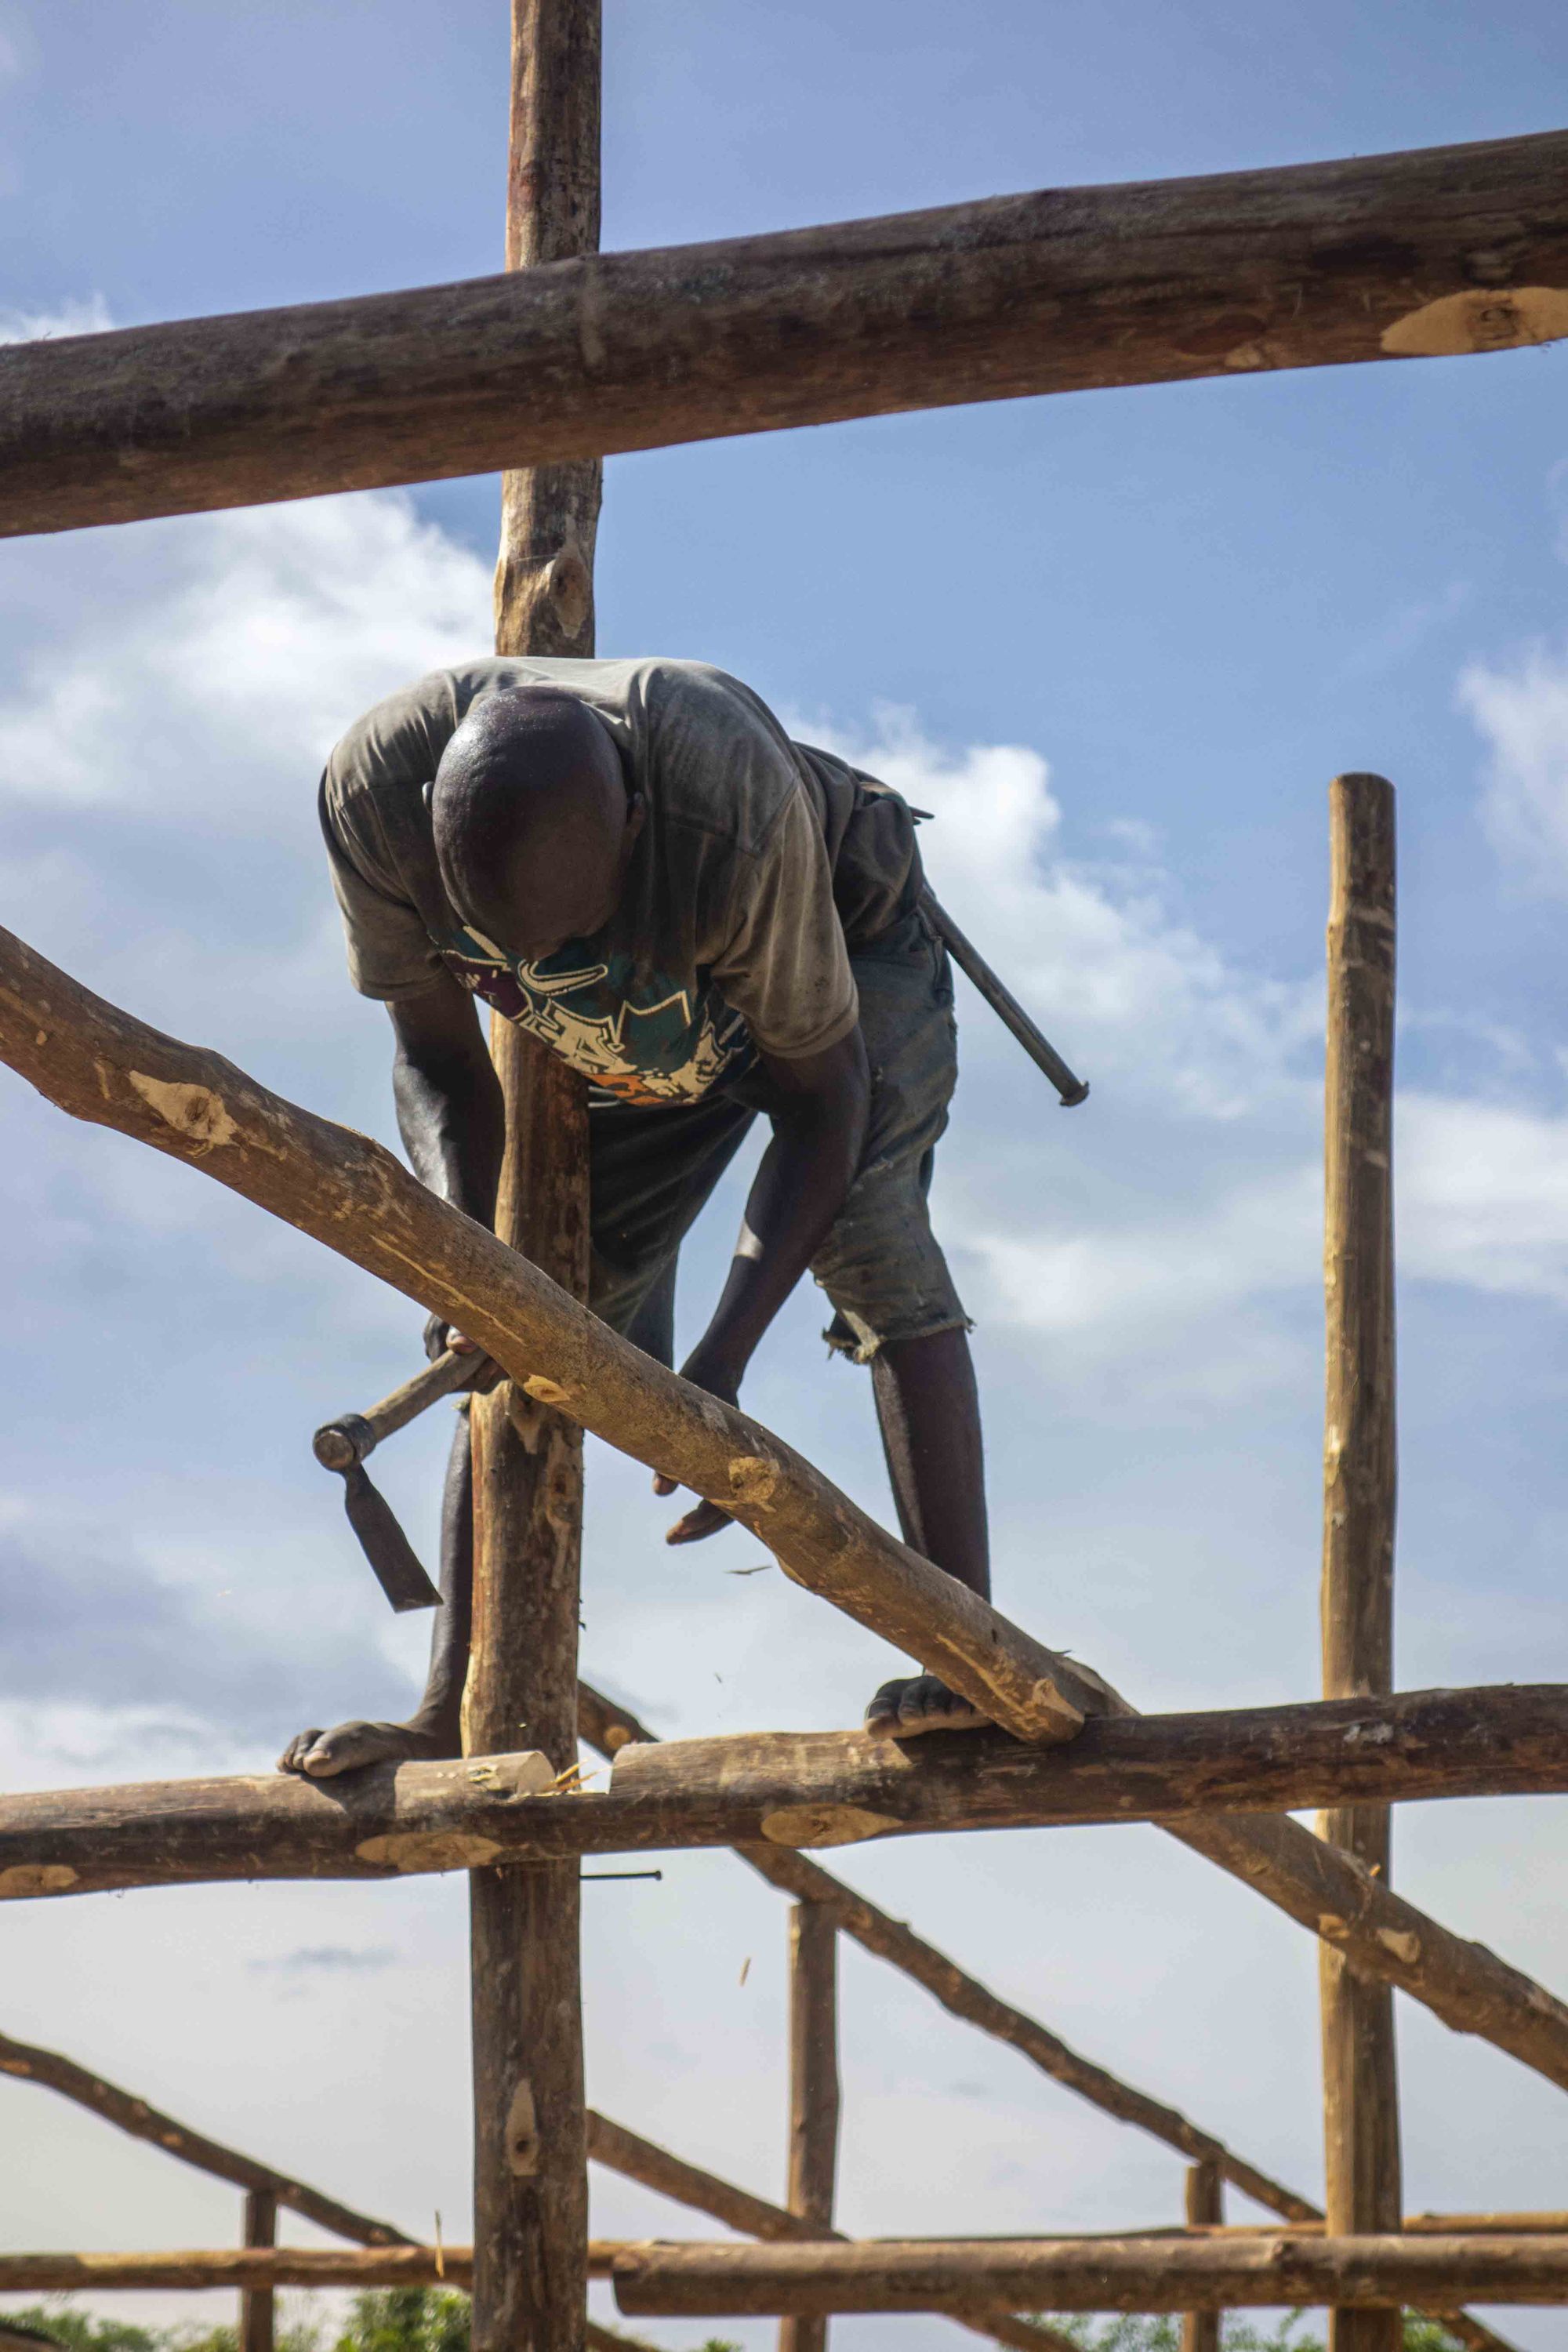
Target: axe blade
(392, 1556)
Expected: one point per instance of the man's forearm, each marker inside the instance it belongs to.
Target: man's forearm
(452, 1120)
(799, 1190)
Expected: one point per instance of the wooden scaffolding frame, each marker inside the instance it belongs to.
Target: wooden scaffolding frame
(569, 356)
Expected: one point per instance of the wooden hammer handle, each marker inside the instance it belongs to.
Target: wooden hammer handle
(339, 1444)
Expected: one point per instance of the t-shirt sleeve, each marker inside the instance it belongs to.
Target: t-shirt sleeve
(391, 954)
(784, 967)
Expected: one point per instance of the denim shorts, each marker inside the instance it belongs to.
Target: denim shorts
(652, 1169)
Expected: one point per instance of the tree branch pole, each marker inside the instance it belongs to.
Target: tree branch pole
(1215, 2273)
(1361, 2084)
(253, 2267)
(257, 2304)
(98, 1063)
(813, 2089)
(530, 2191)
(1205, 2205)
(28, 2063)
(771, 1794)
(1441, 250)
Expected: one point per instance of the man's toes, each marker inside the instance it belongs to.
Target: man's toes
(882, 1715)
(927, 1704)
(294, 1757)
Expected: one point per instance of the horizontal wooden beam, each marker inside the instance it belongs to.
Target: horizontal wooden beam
(242, 2266)
(1442, 251)
(831, 1788)
(1196, 2274)
(102, 1064)
(144, 2121)
(764, 1793)
(644, 2160)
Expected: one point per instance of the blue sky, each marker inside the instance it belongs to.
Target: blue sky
(1121, 642)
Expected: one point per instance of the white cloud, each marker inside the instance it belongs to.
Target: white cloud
(1129, 985)
(209, 663)
(89, 316)
(1521, 710)
(1484, 1196)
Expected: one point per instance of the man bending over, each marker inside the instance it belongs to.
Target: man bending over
(632, 859)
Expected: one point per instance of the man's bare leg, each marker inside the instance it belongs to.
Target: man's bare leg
(928, 1408)
(435, 1729)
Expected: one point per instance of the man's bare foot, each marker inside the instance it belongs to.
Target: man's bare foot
(901, 1709)
(349, 1747)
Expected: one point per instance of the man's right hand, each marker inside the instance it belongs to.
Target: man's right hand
(439, 1336)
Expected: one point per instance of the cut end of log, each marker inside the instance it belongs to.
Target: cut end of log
(811, 1825)
(1486, 319)
(429, 1850)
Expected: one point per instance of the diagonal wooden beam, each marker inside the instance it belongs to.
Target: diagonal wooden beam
(1436, 251)
(128, 2114)
(102, 1064)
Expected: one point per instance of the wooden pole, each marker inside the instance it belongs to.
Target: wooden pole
(1205, 2204)
(1443, 250)
(1361, 2090)
(531, 2189)
(812, 2088)
(256, 2303)
(1201, 2272)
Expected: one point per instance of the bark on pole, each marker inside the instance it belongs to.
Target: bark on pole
(1206, 2204)
(812, 2088)
(1372, 257)
(257, 2303)
(1213, 2272)
(530, 2191)
(1360, 2092)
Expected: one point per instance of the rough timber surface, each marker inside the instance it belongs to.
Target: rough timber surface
(1215, 2273)
(531, 2185)
(1437, 251)
(771, 1793)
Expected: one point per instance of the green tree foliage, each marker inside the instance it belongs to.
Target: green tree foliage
(436, 2320)
(383, 2319)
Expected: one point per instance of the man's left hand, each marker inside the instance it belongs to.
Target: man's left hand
(704, 1518)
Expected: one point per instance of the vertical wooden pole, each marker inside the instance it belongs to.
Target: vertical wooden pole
(531, 2196)
(813, 2088)
(1206, 2202)
(256, 2310)
(1361, 2097)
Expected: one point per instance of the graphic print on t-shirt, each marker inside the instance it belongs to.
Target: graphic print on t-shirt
(646, 1039)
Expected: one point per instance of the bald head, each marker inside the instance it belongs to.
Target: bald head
(533, 825)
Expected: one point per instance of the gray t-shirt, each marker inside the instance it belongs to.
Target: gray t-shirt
(760, 865)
